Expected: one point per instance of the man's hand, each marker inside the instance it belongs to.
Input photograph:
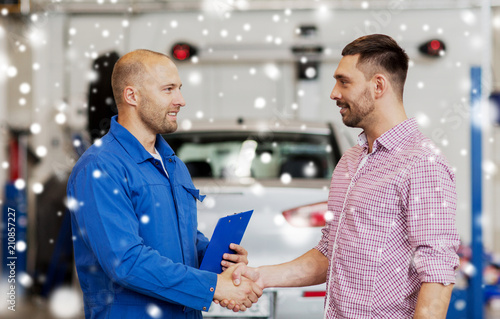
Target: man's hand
(241, 296)
(245, 272)
(241, 256)
(307, 270)
(253, 274)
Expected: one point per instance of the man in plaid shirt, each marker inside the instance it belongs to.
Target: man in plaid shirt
(390, 249)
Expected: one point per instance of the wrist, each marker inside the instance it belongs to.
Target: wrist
(217, 286)
(262, 274)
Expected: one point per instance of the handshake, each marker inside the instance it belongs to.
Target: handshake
(238, 287)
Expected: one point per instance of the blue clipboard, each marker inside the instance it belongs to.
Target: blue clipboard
(229, 229)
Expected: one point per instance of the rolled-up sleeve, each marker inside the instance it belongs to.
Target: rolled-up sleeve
(324, 242)
(104, 216)
(431, 207)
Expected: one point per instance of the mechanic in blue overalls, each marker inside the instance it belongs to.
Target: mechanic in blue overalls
(133, 209)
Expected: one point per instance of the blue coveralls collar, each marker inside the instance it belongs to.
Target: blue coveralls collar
(132, 145)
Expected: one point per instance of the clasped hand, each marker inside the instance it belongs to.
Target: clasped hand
(237, 288)
(235, 291)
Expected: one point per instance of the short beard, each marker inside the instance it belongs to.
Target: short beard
(153, 121)
(363, 108)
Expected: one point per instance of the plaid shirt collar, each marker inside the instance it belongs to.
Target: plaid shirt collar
(392, 138)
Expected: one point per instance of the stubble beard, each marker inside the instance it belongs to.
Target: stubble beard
(157, 124)
(361, 109)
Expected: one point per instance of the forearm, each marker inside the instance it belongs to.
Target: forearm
(433, 301)
(309, 269)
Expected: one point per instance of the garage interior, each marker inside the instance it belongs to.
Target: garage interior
(239, 60)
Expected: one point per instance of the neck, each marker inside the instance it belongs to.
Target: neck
(383, 122)
(141, 133)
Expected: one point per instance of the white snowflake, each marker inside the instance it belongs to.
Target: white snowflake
(96, 173)
(265, 157)
(154, 311)
(25, 88)
(35, 128)
(11, 71)
(25, 280)
(186, 125)
(20, 184)
(21, 246)
(286, 178)
(144, 219)
(65, 302)
(60, 118)
(37, 188)
(260, 103)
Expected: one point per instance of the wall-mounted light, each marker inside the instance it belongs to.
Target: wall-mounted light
(182, 51)
(433, 48)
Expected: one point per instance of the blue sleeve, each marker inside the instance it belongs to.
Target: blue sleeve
(201, 244)
(107, 222)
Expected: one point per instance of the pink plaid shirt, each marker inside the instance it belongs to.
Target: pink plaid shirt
(393, 226)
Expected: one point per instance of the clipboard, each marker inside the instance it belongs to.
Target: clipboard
(229, 229)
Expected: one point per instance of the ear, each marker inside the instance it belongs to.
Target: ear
(130, 95)
(380, 85)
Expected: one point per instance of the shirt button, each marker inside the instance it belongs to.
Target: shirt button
(156, 163)
(212, 289)
(170, 160)
(205, 308)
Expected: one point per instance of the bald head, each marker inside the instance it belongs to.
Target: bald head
(132, 70)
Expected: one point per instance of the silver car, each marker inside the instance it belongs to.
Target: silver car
(282, 171)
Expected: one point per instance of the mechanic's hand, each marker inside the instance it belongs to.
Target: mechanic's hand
(241, 256)
(241, 297)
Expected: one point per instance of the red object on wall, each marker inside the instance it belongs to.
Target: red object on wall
(14, 160)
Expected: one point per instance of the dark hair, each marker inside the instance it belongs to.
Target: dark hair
(379, 52)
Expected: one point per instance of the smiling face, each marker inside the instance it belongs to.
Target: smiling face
(352, 93)
(160, 96)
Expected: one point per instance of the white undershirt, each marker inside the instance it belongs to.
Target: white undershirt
(158, 157)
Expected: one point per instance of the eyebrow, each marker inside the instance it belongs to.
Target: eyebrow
(340, 77)
(172, 84)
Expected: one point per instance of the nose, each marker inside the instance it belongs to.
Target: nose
(179, 99)
(335, 95)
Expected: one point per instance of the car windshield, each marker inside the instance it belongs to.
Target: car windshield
(258, 155)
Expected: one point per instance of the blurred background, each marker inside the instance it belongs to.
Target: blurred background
(245, 65)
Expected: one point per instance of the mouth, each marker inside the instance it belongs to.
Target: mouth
(172, 114)
(343, 107)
